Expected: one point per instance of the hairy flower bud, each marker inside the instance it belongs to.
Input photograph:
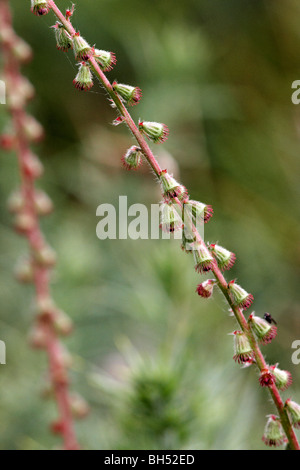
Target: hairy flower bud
(130, 94)
(154, 131)
(34, 131)
(23, 271)
(32, 166)
(132, 159)
(42, 202)
(64, 41)
(45, 256)
(105, 59)
(203, 260)
(273, 434)
(266, 378)
(40, 7)
(225, 258)
(242, 350)
(205, 289)
(84, 79)
(283, 378)
(240, 297)
(293, 409)
(170, 187)
(82, 49)
(263, 330)
(199, 211)
(170, 220)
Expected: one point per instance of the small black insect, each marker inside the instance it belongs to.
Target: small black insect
(268, 317)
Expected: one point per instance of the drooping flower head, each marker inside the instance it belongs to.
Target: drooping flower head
(40, 7)
(293, 409)
(82, 50)
(283, 378)
(263, 330)
(84, 79)
(200, 212)
(273, 434)
(64, 41)
(240, 297)
(204, 262)
(225, 258)
(242, 350)
(105, 59)
(170, 220)
(205, 289)
(130, 95)
(170, 187)
(154, 131)
(133, 158)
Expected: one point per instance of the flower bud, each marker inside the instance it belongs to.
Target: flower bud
(21, 50)
(205, 289)
(62, 323)
(15, 202)
(263, 330)
(82, 49)
(42, 202)
(7, 141)
(273, 434)
(132, 159)
(24, 222)
(170, 220)
(242, 350)
(105, 59)
(171, 187)
(118, 121)
(64, 41)
(84, 78)
(45, 256)
(293, 409)
(266, 378)
(45, 310)
(130, 94)
(34, 131)
(23, 271)
(225, 258)
(37, 338)
(79, 407)
(154, 131)
(32, 166)
(199, 211)
(283, 378)
(203, 260)
(240, 297)
(40, 7)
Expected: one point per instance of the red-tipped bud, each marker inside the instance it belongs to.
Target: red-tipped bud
(204, 262)
(130, 94)
(154, 131)
(225, 258)
(119, 120)
(293, 409)
(242, 350)
(199, 211)
(170, 187)
(84, 79)
(105, 59)
(240, 297)
(82, 50)
(266, 379)
(132, 159)
(205, 289)
(283, 378)
(32, 166)
(40, 7)
(273, 434)
(263, 330)
(170, 220)
(64, 41)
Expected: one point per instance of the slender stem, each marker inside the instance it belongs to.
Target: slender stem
(222, 283)
(57, 370)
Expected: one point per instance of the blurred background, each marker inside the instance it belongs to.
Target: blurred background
(152, 358)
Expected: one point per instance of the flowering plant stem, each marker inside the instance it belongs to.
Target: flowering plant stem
(223, 285)
(48, 334)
